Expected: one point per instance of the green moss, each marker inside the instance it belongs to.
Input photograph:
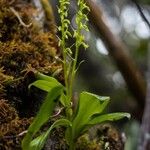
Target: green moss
(3, 79)
(24, 47)
(84, 142)
(11, 126)
(101, 137)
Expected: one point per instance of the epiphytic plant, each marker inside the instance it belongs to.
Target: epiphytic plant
(90, 106)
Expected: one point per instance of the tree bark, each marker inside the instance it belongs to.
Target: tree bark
(144, 140)
(118, 51)
(40, 16)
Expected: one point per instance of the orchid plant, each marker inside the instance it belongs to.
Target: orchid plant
(90, 107)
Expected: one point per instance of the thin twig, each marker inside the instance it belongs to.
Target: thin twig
(140, 9)
(19, 18)
(59, 111)
(144, 139)
(49, 15)
(18, 135)
(22, 133)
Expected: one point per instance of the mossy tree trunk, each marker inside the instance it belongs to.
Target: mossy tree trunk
(27, 44)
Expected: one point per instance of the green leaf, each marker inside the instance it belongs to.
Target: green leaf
(89, 111)
(108, 117)
(38, 143)
(41, 76)
(63, 99)
(44, 82)
(89, 105)
(43, 85)
(45, 111)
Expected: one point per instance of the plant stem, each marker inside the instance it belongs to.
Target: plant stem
(65, 65)
(66, 76)
(73, 70)
(72, 145)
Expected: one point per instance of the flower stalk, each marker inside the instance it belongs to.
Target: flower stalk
(70, 65)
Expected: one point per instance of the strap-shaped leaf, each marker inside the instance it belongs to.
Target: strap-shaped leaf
(43, 85)
(89, 105)
(44, 113)
(38, 143)
(44, 82)
(40, 76)
(63, 99)
(108, 117)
